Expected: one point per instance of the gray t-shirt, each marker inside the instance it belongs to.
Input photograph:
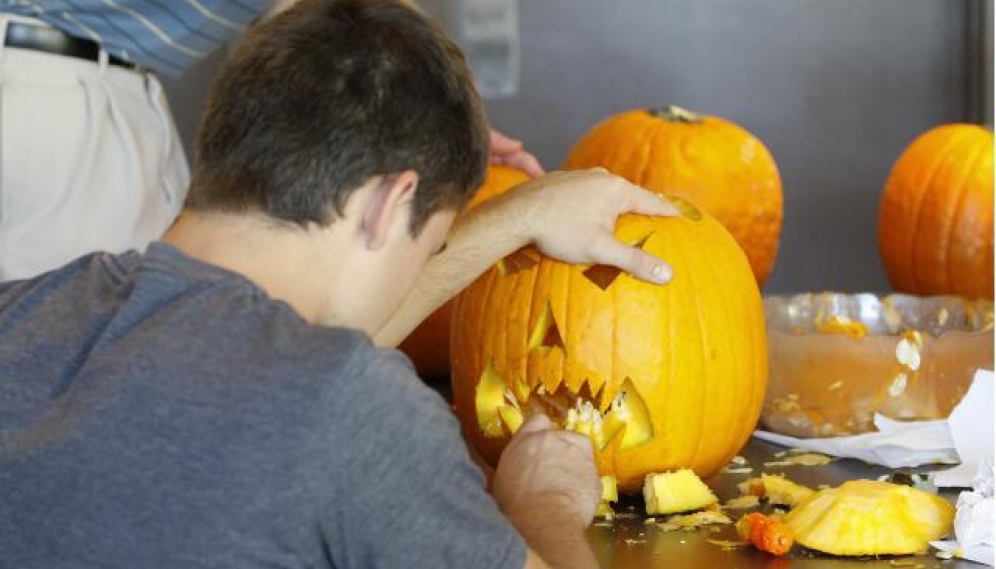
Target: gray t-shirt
(159, 412)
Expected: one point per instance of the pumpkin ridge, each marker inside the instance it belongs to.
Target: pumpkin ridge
(492, 278)
(516, 363)
(728, 314)
(913, 242)
(694, 301)
(484, 307)
(727, 324)
(673, 371)
(531, 317)
(963, 197)
(566, 296)
(656, 132)
(647, 152)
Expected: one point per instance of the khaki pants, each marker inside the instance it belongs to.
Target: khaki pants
(89, 159)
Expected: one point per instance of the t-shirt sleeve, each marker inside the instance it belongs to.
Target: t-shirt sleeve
(408, 494)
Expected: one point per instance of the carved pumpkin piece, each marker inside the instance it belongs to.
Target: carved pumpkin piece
(660, 377)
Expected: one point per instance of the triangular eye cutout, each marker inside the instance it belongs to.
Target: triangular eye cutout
(520, 260)
(603, 276)
(545, 333)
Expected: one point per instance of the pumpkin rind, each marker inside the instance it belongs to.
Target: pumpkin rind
(935, 228)
(428, 345)
(693, 351)
(714, 163)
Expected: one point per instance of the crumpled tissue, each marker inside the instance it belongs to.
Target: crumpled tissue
(973, 523)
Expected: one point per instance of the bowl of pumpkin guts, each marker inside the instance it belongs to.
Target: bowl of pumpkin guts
(836, 360)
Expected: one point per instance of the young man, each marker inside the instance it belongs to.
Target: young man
(217, 401)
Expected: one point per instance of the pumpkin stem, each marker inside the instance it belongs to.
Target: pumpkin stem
(674, 113)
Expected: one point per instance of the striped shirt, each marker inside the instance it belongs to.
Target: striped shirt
(167, 36)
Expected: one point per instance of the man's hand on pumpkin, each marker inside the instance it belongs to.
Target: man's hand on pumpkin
(545, 473)
(571, 216)
(509, 152)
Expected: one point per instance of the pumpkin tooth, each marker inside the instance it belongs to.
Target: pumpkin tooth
(576, 377)
(608, 395)
(595, 383)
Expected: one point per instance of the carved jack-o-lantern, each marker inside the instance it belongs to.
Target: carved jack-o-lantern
(660, 377)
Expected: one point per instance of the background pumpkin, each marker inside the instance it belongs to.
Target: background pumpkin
(935, 226)
(428, 345)
(682, 366)
(709, 161)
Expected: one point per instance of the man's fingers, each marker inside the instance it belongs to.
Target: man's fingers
(527, 163)
(607, 250)
(501, 144)
(536, 423)
(646, 202)
(522, 160)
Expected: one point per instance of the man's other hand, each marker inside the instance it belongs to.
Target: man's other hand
(509, 152)
(548, 474)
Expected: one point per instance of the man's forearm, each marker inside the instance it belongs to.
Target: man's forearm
(478, 240)
(555, 538)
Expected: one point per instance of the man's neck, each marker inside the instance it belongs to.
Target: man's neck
(284, 260)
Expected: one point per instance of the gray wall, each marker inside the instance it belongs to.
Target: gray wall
(835, 88)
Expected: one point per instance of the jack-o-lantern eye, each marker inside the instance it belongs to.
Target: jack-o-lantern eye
(603, 276)
(520, 260)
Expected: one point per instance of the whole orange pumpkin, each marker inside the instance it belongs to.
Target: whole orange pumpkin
(935, 225)
(428, 345)
(709, 161)
(660, 377)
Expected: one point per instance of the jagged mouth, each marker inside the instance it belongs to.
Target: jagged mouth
(624, 421)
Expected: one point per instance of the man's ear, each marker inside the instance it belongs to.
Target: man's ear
(389, 199)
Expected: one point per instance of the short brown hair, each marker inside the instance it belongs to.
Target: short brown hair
(319, 99)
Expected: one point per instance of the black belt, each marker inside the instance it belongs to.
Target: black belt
(52, 40)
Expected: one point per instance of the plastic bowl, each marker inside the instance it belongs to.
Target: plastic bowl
(835, 360)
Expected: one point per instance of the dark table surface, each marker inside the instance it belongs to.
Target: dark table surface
(629, 542)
